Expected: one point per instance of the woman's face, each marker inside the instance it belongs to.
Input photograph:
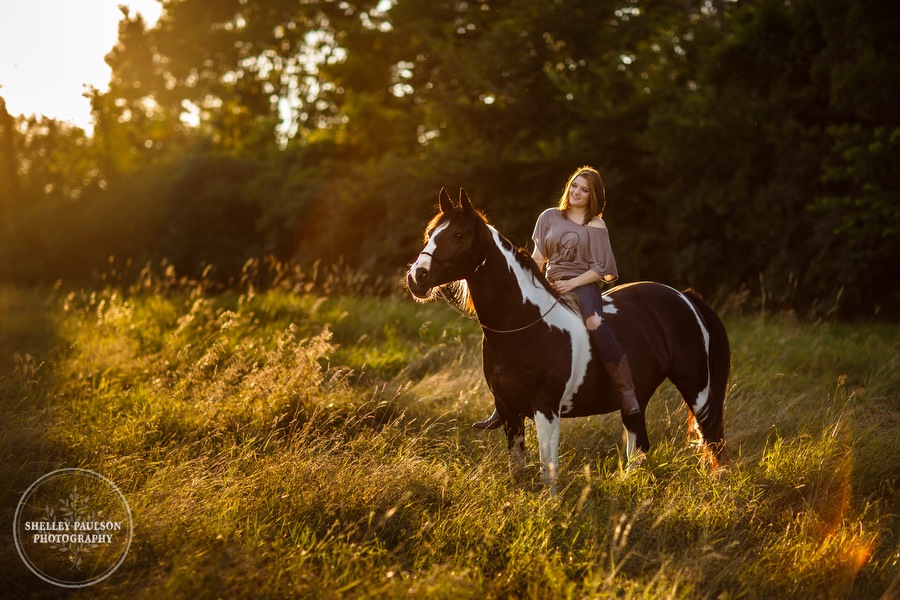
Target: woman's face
(580, 193)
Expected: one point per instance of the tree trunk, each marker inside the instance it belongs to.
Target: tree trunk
(9, 177)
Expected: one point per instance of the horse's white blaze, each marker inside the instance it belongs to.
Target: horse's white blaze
(555, 315)
(548, 446)
(424, 259)
(703, 396)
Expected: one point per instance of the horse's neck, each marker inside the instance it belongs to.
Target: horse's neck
(501, 286)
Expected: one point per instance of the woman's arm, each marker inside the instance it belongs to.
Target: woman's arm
(586, 278)
(564, 287)
(539, 259)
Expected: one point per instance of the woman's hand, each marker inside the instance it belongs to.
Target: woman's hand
(564, 286)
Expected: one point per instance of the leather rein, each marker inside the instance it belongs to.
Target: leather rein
(475, 319)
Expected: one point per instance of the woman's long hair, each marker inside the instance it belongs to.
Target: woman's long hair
(597, 192)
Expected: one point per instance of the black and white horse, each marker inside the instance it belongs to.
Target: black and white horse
(537, 358)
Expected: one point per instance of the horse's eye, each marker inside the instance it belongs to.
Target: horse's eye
(458, 235)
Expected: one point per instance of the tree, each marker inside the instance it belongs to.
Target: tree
(9, 188)
(744, 144)
(772, 157)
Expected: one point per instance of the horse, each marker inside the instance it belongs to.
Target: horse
(536, 355)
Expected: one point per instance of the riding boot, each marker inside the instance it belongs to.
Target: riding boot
(621, 377)
(492, 422)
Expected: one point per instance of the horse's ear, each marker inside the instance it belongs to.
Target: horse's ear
(465, 203)
(444, 200)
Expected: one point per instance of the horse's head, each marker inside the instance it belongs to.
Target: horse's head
(452, 247)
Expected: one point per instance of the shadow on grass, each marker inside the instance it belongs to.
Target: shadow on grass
(29, 347)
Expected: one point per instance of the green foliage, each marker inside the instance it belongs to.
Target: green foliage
(293, 442)
(745, 145)
(860, 225)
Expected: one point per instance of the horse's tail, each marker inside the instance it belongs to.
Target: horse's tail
(711, 417)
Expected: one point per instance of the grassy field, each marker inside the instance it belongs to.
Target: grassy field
(310, 442)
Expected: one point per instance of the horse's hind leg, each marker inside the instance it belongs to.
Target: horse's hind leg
(695, 393)
(704, 421)
(637, 442)
(704, 388)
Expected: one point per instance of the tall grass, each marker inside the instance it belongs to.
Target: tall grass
(310, 441)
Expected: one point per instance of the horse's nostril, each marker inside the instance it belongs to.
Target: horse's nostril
(421, 274)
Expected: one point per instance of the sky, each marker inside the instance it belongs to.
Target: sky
(51, 49)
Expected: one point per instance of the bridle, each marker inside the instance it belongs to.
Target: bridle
(464, 313)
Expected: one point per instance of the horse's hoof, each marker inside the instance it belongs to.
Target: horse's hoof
(492, 422)
(635, 462)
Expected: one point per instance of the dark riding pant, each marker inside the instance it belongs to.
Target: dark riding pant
(590, 302)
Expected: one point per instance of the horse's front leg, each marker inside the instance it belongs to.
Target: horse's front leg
(548, 442)
(515, 442)
(637, 442)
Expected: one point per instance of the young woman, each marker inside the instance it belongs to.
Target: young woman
(572, 242)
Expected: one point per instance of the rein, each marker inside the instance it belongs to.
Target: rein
(475, 319)
(491, 329)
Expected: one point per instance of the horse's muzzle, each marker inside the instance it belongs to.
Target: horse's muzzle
(417, 285)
